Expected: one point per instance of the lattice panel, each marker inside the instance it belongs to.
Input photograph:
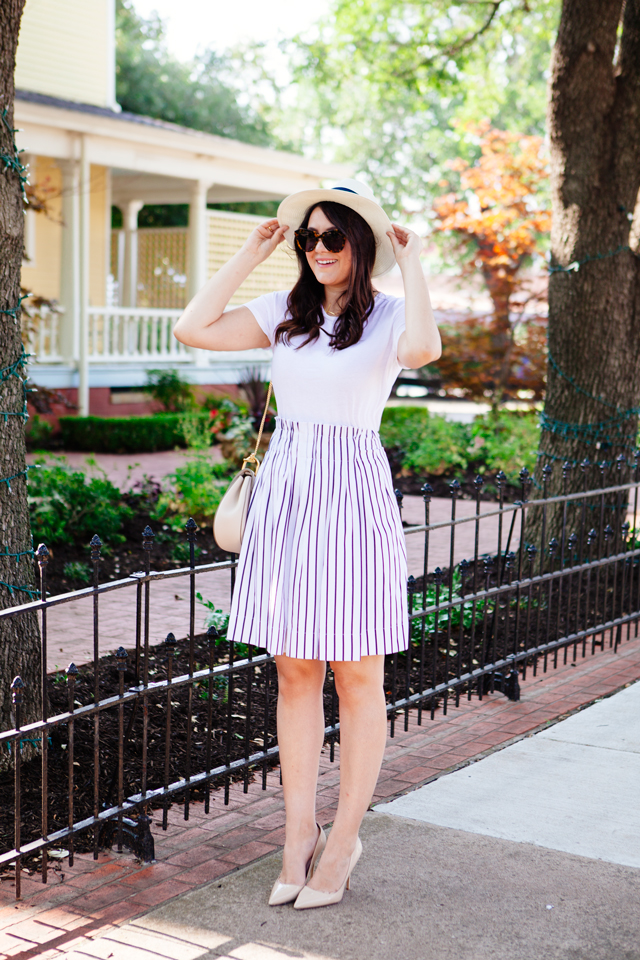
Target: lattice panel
(227, 233)
(163, 255)
(115, 254)
(162, 267)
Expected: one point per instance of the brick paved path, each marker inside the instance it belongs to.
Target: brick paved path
(91, 899)
(70, 626)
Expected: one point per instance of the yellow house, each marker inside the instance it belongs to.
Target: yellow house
(86, 155)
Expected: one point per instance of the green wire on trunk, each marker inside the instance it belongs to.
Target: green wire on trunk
(22, 473)
(20, 553)
(16, 369)
(576, 264)
(12, 160)
(13, 587)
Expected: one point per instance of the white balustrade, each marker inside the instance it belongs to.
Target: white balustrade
(44, 341)
(121, 334)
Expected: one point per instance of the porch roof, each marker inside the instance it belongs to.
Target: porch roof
(155, 161)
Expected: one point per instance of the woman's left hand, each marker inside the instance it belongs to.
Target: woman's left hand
(407, 245)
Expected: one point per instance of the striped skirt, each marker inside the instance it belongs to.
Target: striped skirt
(322, 573)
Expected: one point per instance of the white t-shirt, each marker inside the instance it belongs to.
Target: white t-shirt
(316, 384)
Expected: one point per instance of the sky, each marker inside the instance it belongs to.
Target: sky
(194, 25)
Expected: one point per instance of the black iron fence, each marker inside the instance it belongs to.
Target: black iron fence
(555, 577)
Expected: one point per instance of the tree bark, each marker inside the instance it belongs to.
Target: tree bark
(593, 382)
(19, 638)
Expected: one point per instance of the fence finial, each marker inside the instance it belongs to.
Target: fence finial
(148, 536)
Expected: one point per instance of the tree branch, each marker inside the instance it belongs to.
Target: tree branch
(458, 47)
(472, 37)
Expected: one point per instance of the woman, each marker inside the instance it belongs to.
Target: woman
(322, 571)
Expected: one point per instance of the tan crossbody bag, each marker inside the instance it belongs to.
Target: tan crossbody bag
(231, 515)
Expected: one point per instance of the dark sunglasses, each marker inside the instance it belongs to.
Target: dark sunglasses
(307, 240)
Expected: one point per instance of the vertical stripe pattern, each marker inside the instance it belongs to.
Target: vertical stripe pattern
(322, 572)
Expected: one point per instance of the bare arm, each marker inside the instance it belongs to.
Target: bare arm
(204, 323)
(420, 342)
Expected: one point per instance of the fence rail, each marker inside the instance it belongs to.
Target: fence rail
(134, 334)
(475, 627)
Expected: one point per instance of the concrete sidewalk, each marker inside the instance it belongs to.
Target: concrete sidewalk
(573, 787)
(532, 852)
(420, 892)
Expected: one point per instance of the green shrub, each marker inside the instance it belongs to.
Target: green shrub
(196, 429)
(66, 505)
(424, 443)
(506, 441)
(38, 433)
(443, 449)
(164, 431)
(223, 411)
(401, 425)
(170, 389)
(77, 570)
(471, 612)
(197, 489)
(427, 444)
(215, 617)
(182, 551)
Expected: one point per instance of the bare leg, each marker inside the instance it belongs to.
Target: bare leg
(363, 734)
(300, 736)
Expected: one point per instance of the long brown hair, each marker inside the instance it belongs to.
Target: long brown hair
(304, 304)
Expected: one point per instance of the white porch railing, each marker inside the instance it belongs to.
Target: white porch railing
(121, 334)
(44, 340)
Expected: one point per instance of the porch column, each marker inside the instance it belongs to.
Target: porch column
(85, 247)
(197, 249)
(70, 262)
(130, 211)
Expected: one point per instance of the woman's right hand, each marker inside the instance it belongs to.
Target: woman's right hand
(204, 323)
(262, 241)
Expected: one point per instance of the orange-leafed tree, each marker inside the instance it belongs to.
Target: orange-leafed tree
(497, 218)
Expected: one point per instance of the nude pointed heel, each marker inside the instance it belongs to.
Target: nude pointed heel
(287, 892)
(308, 899)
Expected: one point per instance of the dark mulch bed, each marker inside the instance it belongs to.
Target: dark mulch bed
(243, 716)
(243, 721)
(253, 694)
(441, 486)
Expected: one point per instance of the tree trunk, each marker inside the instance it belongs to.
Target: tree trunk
(19, 638)
(593, 386)
(501, 283)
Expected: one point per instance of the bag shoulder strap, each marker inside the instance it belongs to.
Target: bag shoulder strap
(252, 458)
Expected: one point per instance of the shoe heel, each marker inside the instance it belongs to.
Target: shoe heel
(317, 852)
(349, 882)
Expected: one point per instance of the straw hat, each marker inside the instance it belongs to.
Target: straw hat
(352, 194)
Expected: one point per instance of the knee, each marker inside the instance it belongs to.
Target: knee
(299, 678)
(355, 682)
